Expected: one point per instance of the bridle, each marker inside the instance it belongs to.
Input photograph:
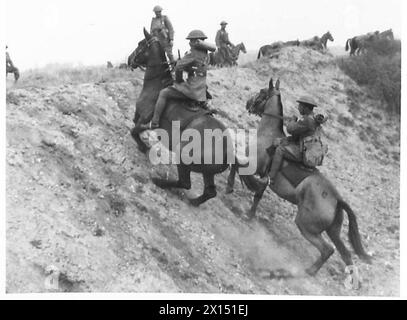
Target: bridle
(143, 49)
(270, 114)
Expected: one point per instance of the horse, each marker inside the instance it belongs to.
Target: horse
(13, 70)
(109, 65)
(217, 59)
(320, 206)
(269, 49)
(388, 34)
(158, 76)
(359, 44)
(318, 43)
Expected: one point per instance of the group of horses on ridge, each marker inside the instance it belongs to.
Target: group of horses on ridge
(316, 43)
(320, 206)
(360, 44)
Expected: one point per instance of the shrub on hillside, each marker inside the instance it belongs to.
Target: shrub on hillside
(379, 70)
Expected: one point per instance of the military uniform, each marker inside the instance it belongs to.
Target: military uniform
(222, 42)
(161, 27)
(291, 147)
(195, 63)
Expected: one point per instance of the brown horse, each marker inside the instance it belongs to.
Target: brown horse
(269, 49)
(359, 44)
(320, 206)
(158, 76)
(216, 59)
(317, 42)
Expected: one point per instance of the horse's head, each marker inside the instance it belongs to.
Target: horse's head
(329, 36)
(148, 52)
(267, 102)
(242, 47)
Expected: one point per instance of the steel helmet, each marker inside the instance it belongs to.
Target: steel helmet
(196, 34)
(307, 100)
(157, 9)
(223, 22)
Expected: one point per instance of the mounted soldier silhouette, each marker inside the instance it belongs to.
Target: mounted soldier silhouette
(320, 206)
(161, 28)
(10, 67)
(165, 101)
(318, 43)
(225, 49)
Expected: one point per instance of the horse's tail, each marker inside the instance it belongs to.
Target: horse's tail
(347, 44)
(354, 235)
(259, 54)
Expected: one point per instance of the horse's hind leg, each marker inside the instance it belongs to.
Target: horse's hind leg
(334, 232)
(209, 190)
(317, 240)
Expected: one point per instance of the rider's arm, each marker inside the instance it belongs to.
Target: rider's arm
(169, 27)
(300, 127)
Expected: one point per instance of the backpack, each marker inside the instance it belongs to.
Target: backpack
(313, 149)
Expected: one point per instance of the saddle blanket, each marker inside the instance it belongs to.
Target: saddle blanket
(296, 173)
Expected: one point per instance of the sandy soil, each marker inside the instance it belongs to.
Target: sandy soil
(80, 199)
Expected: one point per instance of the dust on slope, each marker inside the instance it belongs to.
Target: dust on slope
(79, 194)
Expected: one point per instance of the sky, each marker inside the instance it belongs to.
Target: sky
(91, 32)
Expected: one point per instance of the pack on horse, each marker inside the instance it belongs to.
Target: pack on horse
(318, 43)
(359, 44)
(157, 77)
(216, 58)
(269, 49)
(320, 206)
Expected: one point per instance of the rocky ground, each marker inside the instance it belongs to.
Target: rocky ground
(80, 199)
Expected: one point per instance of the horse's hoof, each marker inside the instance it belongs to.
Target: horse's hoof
(161, 183)
(195, 202)
(311, 271)
(228, 190)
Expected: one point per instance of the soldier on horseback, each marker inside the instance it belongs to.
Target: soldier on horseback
(291, 148)
(195, 63)
(161, 28)
(10, 67)
(223, 43)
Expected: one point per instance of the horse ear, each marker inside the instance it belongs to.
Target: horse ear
(277, 84)
(271, 87)
(146, 34)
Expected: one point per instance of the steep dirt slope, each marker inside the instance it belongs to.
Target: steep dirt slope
(79, 195)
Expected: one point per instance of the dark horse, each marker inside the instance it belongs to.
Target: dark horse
(317, 42)
(158, 76)
(216, 59)
(269, 49)
(359, 44)
(320, 206)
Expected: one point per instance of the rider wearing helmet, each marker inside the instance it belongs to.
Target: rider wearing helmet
(161, 28)
(290, 148)
(222, 41)
(194, 63)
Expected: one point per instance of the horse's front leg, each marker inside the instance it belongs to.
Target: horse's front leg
(209, 190)
(135, 133)
(261, 185)
(231, 179)
(184, 179)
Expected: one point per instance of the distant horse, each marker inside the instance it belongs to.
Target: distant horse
(216, 58)
(388, 34)
(317, 42)
(11, 68)
(320, 206)
(124, 66)
(14, 70)
(269, 49)
(359, 44)
(109, 65)
(149, 53)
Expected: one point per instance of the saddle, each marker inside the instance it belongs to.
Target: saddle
(294, 172)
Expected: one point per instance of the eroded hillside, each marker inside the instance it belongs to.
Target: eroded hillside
(79, 195)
